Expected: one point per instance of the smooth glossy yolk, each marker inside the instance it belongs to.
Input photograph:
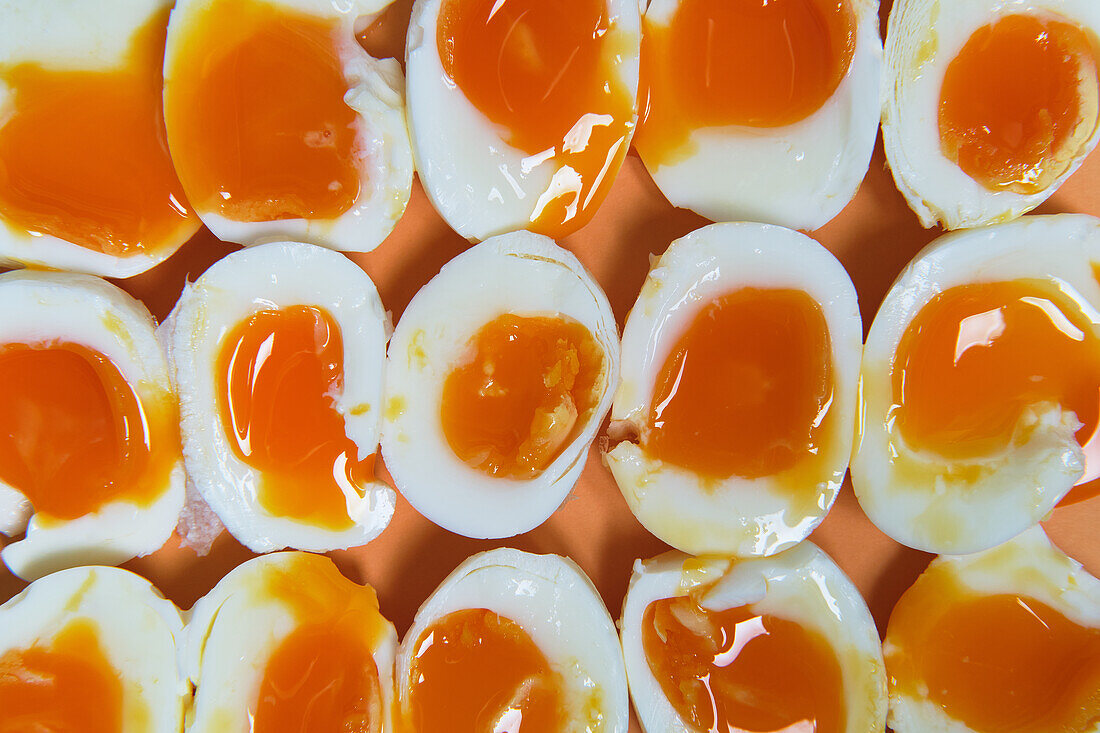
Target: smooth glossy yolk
(550, 75)
(737, 670)
(527, 389)
(747, 388)
(74, 436)
(68, 686)
(256, 115)
(758, 63)
(83, 155)
(476, 671)
(977, 356)
(1019, 102)
(279, 374)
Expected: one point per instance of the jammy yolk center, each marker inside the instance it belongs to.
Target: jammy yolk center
(548, 74)
(757, 63)
(527, 389)
(83, 155)
(737, 670)
(474, 670)
(254, 102)
(746, 389)
(1019, 102)
(68, 686)
(74, 435)
(279, 375)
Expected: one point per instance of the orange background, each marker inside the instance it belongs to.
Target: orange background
(874, 237)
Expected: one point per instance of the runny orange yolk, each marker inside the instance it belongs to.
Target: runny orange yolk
(746, 389)
(758, 63)
(278, 376)
(83, 155)
(976, 356)
(74, 436)
(549, 74)
(254, 102)
(474, 670)
(737, 670)
(68, 686)
(528, 387)
(1019, 102)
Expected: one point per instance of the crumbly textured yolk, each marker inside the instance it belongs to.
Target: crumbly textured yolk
(256, 114)
(279, 374)
(74, 436)
(976, 356)
(1019, 102)
(83, 155)
(68, 686)
(528, 388)
(737, 670)
(476, 671)
(759, 63)
(746, 389)
(547, 73)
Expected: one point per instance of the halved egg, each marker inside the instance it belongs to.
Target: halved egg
(286, 643)
(784, 643)
(981, 385)
(760, 110)
(279, 351)
(86, 182)
(988, 106)
(281, 126)
(89, 426)
(521, 112)
(1006, 639)
(498, 377)
(731, 429)
(91, 649)
(513, 641)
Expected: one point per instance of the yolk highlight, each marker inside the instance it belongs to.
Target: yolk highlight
(74, 436)
(256, 115)
(976, 356)
(528, 389)
(737, 670)
(68, 686)
(758, 63)
(1019, 102)
(476, 671)
(746, 389)
(279, 374)
(546, 73)
(83, 155)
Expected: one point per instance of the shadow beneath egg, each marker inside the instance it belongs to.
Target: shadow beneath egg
(185, 577)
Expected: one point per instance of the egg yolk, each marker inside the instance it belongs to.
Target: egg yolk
(527, 389)
(549, 74)
(746, 389)
(74, 436)
(757, 63)
(280, 372)
(68, 686)
(737, 670)
(83, 155)
(977, 356)
(474, 670)
(254, 101)
(1019, 102)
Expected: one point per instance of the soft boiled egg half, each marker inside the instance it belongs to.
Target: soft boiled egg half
(988, 105)
(86, 182)
(279, 351)
(732, 425)
(981, 385)
(760, 110)
(281, 126)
